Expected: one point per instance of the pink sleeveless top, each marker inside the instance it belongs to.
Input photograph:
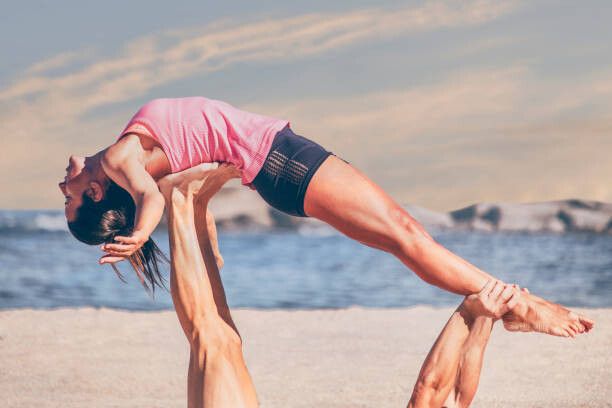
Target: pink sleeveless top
(199, 130)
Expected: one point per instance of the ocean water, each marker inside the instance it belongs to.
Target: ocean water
(42, 266)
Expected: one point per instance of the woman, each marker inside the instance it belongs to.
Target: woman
(112, 196)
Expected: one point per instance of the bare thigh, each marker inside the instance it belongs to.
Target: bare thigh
(348, 200)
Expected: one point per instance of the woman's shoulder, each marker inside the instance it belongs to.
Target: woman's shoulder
(122, 149)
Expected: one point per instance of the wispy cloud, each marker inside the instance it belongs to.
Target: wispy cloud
(61, 60)
(161, 58)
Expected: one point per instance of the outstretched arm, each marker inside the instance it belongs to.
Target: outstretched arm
(217, 374)
(441, 372)
(470, 363)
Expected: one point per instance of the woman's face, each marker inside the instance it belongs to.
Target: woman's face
(77, 181)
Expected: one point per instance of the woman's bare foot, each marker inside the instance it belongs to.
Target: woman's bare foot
(537, 314)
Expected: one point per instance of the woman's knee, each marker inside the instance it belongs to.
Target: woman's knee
(404, 232)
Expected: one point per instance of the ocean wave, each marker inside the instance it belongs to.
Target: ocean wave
(32, 221)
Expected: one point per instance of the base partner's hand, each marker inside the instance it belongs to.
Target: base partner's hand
(202, 180)
(494, 300)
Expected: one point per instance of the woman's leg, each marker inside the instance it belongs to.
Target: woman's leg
(345, 198)
(217, 374)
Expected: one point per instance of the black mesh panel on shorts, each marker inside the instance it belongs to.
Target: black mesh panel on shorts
(284, 176)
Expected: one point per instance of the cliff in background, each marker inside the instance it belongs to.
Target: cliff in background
(555, 216)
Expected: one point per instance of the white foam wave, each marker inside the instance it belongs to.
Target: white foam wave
(27, 221)
(50, 222)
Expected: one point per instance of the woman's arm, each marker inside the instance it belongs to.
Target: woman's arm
(120, 163)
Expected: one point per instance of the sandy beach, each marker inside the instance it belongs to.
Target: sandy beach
(330, 358)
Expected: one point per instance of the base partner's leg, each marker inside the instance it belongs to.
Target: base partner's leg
(217, 374)
(345, 198)
(449, 376)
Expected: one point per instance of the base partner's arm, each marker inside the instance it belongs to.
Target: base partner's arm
(217, 374)
(449, 376)
(470, 363)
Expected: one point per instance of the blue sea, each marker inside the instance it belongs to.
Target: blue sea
(42, 266)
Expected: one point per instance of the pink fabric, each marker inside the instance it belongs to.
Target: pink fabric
(199, 130)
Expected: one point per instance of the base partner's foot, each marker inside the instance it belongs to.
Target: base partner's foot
(537, 314)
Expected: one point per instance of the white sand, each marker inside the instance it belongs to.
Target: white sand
(338, 358)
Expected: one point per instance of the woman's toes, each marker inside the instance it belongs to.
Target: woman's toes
(587, 322)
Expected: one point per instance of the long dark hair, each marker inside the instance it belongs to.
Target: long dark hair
(99, 222)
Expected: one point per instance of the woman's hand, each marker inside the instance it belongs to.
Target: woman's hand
(494, 300)
(123, 248)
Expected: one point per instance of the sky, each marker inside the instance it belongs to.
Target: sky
(442, 103)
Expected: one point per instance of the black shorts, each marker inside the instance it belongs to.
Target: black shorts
(284, 176)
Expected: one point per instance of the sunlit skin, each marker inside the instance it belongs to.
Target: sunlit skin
(450, 374)
(217, 375)
(338, 194)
